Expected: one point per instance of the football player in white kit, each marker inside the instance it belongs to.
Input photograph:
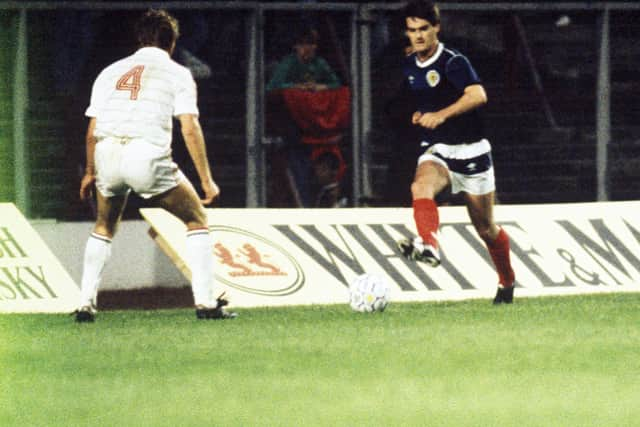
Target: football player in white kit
(128, 143)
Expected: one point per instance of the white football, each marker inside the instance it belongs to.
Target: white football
(369, 293)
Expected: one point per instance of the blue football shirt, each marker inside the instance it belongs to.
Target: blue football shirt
(437, 83)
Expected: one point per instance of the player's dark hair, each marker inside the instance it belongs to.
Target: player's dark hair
(423, 9)
(157, 28)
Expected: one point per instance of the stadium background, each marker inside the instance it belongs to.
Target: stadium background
(543, 361)
(560, 77)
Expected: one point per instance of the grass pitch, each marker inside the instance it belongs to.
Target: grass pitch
(561, 361)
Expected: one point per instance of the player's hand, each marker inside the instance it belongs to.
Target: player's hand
(211, 191)
(86, 186)
(416, 117)
(431, 120)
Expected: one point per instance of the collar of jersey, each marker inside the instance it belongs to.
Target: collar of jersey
(152, 50)
(433, 58)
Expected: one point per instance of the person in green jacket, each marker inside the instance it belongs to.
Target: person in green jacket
(303, 69)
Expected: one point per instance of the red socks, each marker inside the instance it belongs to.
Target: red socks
(425, 213)
(499, 251)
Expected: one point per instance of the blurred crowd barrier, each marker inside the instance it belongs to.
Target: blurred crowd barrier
(561, 81)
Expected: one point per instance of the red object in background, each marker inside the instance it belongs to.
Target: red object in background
(320, 149)
(321, 116)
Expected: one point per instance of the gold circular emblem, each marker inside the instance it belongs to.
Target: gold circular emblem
(433, 78)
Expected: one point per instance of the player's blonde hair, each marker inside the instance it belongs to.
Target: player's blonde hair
(157, 28)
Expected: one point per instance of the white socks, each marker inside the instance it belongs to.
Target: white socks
(96, 254)
(200, 261)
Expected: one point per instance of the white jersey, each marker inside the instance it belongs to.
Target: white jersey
(136, 97)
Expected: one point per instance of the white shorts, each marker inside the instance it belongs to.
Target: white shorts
(470, 166)
(124, 164)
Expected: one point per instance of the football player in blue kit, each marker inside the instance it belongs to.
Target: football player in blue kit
(445, 95)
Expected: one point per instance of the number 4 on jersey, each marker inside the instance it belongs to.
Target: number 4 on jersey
(130, 81)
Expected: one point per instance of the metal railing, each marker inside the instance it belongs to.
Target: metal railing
(360, 69)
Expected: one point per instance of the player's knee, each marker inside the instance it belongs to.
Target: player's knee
(421, 188)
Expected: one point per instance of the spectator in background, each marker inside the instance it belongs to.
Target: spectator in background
(313, 155)
(303, 69)
(194, 38)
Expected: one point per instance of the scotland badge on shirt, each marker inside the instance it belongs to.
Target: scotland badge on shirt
(433, 78)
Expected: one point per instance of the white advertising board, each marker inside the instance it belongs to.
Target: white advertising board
(31, 278)
(269, 257)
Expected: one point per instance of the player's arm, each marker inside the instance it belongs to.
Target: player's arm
(89, 178)
(194, 140)
(474, 96)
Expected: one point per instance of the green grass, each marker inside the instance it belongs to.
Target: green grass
(570, 361)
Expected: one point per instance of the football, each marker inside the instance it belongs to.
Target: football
(369, 293)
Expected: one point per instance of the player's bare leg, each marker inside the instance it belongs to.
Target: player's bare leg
(183, 202)
(430, 179)
(109, 213)
(97, 253)
(480, 208)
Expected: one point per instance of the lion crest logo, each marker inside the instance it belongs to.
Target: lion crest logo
(433, 78)
(253, 263)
